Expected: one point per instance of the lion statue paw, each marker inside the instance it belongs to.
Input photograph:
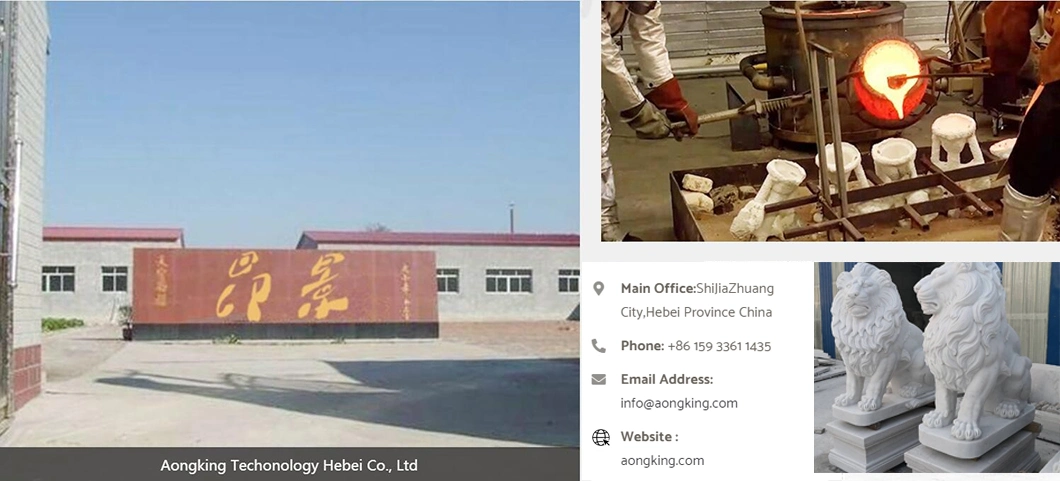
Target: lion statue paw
(869, 404)
(965, 430)
(844, 400)
(1008, 409)
(937, 419)
(911, 390)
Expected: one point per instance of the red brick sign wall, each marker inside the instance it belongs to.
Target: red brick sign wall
(214, 286)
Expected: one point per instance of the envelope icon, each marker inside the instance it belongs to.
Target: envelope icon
(599, 379)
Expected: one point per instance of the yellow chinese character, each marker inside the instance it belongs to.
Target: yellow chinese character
(262, 286)
(160, 295)
(258, 295)
(161, 269)
(245, 262)
(321, 288)
(227, 308)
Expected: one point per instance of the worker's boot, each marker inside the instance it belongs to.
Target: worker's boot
(1023, 217)
(613, 233)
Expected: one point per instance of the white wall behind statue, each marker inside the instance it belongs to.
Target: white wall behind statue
(1027, 305)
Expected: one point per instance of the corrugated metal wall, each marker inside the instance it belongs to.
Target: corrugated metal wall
(925, 21)
(30, 68)
(816, 308)
(1026, 302)
(702, 29)
(837, 268)
(699, 29)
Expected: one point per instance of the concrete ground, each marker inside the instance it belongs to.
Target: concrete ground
(69, 353)
(642, 167)
(825, 392)
(505, 384)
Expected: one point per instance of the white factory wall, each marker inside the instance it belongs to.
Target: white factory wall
(88, 302)
(473, 303)
(1026, 303)
(30, 68)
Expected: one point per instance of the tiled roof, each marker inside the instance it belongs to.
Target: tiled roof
(441, 238)
(113, 234)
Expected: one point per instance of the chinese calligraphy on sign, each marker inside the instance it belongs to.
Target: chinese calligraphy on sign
(321, 288)
(161, 286)
(296, 286)
(262, 285)
(406, 274)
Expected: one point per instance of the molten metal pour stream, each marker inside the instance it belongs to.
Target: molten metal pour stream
(883, 63)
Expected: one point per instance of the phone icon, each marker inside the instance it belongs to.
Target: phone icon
(599, 349)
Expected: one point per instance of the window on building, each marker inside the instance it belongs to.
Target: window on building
(509, 280)
(449, 280)
(568, 280)
(115, 279)
(57, 279)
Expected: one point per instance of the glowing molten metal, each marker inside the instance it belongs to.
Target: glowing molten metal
(879, 92)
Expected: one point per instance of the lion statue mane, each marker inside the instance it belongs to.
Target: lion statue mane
(971, 348)
(882, 351)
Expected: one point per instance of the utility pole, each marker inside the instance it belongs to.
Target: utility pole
(511, 217)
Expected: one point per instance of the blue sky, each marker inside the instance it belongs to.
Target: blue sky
(246, 123)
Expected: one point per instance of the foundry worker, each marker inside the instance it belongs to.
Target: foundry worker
(650, 116)
(1034, 164)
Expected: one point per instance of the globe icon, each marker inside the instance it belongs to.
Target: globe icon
(601, 438)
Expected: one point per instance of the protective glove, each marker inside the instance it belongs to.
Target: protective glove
(668, 97)
(647, 121)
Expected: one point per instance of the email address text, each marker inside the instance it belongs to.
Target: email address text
(678, 404)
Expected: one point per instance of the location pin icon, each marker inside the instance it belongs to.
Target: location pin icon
(598, 287)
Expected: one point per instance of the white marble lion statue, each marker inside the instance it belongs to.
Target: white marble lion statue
(882, 351)
(971, 348)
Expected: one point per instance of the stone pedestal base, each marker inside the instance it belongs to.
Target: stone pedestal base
(891, 406)
(995, 431)
(1014, 455)
(862, 450)
(1053, 466)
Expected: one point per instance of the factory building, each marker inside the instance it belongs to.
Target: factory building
(86, 271)
(484, 277)
(23, 67)
(1032, 302)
